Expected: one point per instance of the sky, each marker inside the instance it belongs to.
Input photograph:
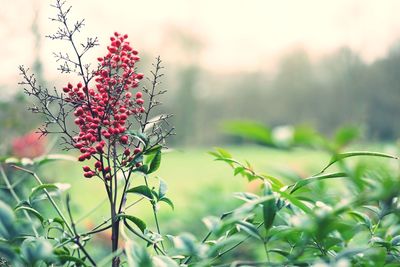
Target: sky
(219, 35)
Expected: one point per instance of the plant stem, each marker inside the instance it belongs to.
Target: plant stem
(154, 213)
(114, 219)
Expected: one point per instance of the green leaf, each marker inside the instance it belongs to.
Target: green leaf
(138, 158)
(140, 136)
(7, 221)
(35, 250)
(162, 189)
(295, 201)
(31, 210)
(280, 251)
(152, 150)
(143, 169)
(37, 190)
(137, 256)
(212, 223)
(307, 136)
(223, 153)
(341, 156)
(67, 258)
(246, 196)
(276, 183)
(141, 190)
(53, 157)
(345, 135)
(246, 208)
(362, 217)
(395, 241)
(251, 130)
(249, 228)
(168, 201)
(164, 261)
(316, 178)
(269, 207)
(138, 222)
(155, 163)
(238, 170)
(184, 244)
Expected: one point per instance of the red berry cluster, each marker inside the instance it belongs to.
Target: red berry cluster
(104, 110)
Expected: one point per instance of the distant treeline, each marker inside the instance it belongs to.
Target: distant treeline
(338, 90)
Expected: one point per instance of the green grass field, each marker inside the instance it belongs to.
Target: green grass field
(193, 178)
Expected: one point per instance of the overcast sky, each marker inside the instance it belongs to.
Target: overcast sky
(230, 35)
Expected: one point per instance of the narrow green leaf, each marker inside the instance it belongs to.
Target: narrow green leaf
(345, 135)
(269, 207)
(251, 205)
(155, 163)
(141, 190)
(222, 152)
(295, 202)
(249, 228)
(67, 258)
(253, 131)
(53, 157)
(37, 190)
(168, 201)
(281, 252)
(362, 217)
(31, 210)
(316, 178)
(341, 156)
(164, 261)
(246, 196)
(211, 222)
(395, 241)
(162, 189)
(276, 183)
(238, 170)
(135, 220)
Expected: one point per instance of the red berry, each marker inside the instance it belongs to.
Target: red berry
(138, 95)
(86, 168)
(137, 151)
(124, 139)
(98, 164)
(88, 174)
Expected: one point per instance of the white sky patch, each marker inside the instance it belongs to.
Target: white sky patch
(229, 35)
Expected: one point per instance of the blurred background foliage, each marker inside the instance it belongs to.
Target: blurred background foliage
(335, 90)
